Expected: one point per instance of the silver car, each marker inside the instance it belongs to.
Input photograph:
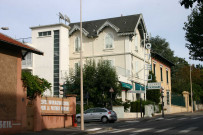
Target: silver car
(98, 114)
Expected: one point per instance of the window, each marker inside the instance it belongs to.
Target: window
(45, 33)
(168, 98)
(27, 62)
(109, 41)
(136, 43)
(154, 68)
(56, 62)
(161, 73)
(136, 68)
(77, 44)
(77, 65)
(167, 76)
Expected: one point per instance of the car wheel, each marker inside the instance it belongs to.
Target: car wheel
(78, 119)
(104, 119)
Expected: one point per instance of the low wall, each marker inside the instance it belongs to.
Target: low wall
(132, 115)
(56, 121)
(178, 109)
(199, 107)
(50, 112)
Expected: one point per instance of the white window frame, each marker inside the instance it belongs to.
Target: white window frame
(112, 62)
(75, 50)
(111, 35)
(136, 68)
(47, 35)
(78, 63)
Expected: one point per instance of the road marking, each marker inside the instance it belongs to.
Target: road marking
(101, 131)
(196, 118)
(118, 131)
(93, 129)
(131, 121)
(170, 119)
(182, 118)
(142, 130)
(187, 130)
(159, 118)
(163, 130)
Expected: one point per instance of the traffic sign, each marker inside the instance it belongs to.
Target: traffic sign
(154, 85)
(111, 90)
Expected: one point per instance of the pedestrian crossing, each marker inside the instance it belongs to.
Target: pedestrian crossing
(136, 131)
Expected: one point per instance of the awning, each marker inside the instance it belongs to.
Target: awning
(126, 85)
(139, 86)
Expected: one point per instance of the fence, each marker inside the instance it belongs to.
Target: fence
(178, 100)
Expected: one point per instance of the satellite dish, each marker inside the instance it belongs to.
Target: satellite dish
(67, 19)
(61, 16)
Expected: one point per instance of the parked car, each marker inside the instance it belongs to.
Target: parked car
(98, 114)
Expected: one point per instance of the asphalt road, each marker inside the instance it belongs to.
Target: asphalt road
(187, 123)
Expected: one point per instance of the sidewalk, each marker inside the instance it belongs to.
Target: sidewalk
(57, 131)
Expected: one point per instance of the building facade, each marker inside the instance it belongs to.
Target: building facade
(119, 40)
(161, 67)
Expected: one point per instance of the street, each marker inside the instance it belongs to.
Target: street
(187, 123)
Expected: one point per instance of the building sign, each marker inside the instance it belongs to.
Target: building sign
(5, 124)
(54, 105)
(154, 85)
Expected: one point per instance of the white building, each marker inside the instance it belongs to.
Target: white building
(119, 40)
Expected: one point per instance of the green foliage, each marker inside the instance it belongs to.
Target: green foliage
(153, 95)
(135, 106)
(35, 85)
(189, 3)
(98, 79)
(194, 33)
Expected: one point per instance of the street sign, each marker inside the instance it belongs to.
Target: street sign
(154, 85)
(111, 90)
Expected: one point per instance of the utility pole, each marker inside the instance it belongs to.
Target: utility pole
(162, 101)
(81, 72)
(191, 87)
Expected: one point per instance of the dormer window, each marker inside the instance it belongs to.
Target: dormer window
(109, 41)
(77, 44)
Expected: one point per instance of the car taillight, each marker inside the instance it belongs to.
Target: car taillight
(109, 112)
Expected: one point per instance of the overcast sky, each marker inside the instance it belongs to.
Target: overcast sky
(162, 17)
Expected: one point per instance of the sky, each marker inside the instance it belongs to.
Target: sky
(162, 17)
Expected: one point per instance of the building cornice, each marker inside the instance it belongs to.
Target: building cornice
(51, 25)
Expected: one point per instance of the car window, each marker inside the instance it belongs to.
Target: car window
(100, 110)
(89, 111)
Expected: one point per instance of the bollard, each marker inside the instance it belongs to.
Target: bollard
(74, 121)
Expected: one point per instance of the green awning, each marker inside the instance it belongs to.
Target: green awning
(139, 86)
(126, 85)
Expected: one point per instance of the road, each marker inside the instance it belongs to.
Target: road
(187, 123)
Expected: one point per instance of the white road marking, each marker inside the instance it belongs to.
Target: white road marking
(187, 130)
(93, 129)
(101, 131)
(196, 118)
(159, 118)
(170, 119)
(182, 118)
(118, 131)
(163, 130)
(142, 130)
(131, 121)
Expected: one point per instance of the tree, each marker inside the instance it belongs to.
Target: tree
(182, 81)
(194, 33)
(153, 95)
(189, 3)
(161, 47)
(98, 79)
(35, 85)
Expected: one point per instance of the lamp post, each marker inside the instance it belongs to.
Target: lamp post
(81, 72)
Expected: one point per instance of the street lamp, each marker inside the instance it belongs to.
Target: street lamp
(191, 94)
(4, 28)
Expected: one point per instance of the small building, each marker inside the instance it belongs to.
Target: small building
(161, 67)
(12, 93)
